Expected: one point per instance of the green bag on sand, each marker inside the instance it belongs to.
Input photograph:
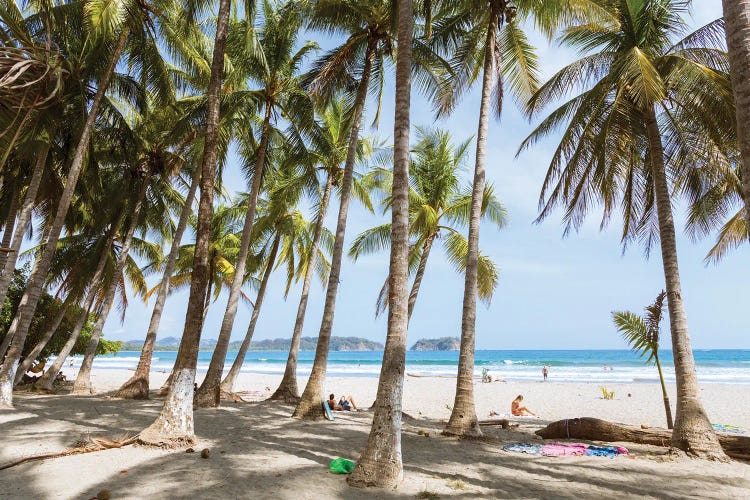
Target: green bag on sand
(341, 466)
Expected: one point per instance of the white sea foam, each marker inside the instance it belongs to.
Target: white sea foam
(506, 369)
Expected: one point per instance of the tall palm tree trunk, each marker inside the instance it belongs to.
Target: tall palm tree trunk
(48, 379)
(380, 463)
(164, 389)
(19, 328)
(463, 419)
(309, 405)
(420, 272)
(82, 385)
(10, 223)
(209, 394)
(692, 429)
(174, 425)
(287, 390)
(137, 386)
(23, 220)
(227, 384)
(737, 26)
(48, 333)
(667, 406)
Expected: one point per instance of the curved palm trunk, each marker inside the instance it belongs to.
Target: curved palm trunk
(420, 272)
(137, 386)
(47, 380)
(31, 357)
(667, 406)
(82, 385)
(208, 394)
(19, 329)
(10, 222)
(692, 429)
(309, 405)
(737, 26)
(463, 419)
(380, 463)
(228, 383)
(164, 389)
(287, 390)
(174, 425)
(23, 220)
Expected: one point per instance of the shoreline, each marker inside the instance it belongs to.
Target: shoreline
(431, 397)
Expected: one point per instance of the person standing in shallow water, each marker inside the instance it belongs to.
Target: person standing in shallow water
(545, 372)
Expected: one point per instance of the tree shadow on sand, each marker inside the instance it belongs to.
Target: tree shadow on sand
(257, 451)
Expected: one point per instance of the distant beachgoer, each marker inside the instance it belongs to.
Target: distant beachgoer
(344, 404)
(545, 372)
(519, 411)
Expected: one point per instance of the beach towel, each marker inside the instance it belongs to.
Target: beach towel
(732, 429)
(341, 466)
(530, 449)
(605, 451)
(563, 449)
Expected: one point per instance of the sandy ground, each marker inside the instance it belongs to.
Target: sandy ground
(257, 451)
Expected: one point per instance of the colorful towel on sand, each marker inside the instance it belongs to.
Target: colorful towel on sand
(558, 449)
(530, 449)
(606, 451)
(563, 449)
(733, 429)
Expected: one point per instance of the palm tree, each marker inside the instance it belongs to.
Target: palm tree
(153, 166)
(436, 203)
(327, 153)
(368, 43)
(737, 27)
(137, 386)
(175, 423)
(380, 462)
(20, 326)
(285, 238)
(643, 336)
(111, 28)
(280, 93)
(623, 141)
(487, 40)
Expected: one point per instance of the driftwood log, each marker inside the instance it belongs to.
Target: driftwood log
(503, 422)
(595, 429)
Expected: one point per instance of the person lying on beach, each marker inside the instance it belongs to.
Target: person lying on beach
(519, 411)
(344, 404)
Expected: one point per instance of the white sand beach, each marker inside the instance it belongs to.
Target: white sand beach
(257, 451)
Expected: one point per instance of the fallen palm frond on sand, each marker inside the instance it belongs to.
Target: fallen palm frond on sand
(86, 444)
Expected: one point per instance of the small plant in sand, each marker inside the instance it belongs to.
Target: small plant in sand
(607, 394)
(456, 484)
(642, 333)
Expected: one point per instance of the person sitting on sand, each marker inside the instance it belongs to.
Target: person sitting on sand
(344, 404)
(519, 411)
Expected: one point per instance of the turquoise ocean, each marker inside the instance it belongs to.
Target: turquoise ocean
(714, 365)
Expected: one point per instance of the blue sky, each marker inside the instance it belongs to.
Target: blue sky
(554, 292)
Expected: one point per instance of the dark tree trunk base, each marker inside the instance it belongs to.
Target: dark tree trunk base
(135, 388)
(309, 412)
(463, 427)
(209, 397)
(286, 394)
(595, 429)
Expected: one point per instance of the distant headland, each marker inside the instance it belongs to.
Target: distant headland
(441, 344)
